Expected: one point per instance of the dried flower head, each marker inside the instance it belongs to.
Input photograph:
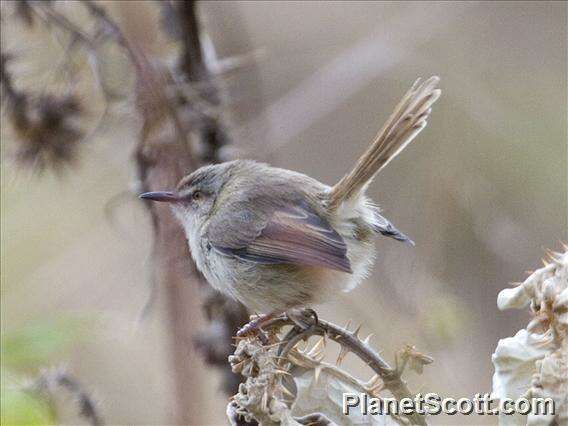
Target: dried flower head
(46, 126)
(47, 131)
(534, 363)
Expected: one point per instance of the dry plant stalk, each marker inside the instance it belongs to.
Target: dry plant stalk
(289, 386)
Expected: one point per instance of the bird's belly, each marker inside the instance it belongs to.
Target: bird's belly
(262, 288)
(267, 288)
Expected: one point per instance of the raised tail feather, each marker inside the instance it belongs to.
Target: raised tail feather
(407, 120)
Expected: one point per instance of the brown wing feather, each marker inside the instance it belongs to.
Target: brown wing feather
(292, 235)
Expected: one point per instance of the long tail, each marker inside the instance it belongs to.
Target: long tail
(407, 120)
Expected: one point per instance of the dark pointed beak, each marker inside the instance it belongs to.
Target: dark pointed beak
(165, 196)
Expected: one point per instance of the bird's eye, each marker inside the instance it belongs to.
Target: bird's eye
(196, 195)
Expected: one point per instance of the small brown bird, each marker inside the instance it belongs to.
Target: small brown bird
(275, 239)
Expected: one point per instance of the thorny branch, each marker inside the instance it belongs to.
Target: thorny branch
(284, 350)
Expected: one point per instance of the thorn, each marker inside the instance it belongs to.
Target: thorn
(355, 332)
(279, 358)
(273, 345)
(556, 257)
(317, 348)
(286, 392)
(317, 372)
(239, 364)
(342, 354)
(281, 372)
(347, 325)
(373, 381)
(368, 339)
(300, 347)
(319, 357)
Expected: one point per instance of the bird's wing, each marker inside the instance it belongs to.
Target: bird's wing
(294, 234)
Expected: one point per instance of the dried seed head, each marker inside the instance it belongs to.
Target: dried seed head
(47, 132)
(46, 127)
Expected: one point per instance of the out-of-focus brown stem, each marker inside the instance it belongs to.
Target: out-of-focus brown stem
(164, 157)
(225, 316)
(162, 165)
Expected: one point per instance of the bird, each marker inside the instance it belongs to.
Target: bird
(278, 240)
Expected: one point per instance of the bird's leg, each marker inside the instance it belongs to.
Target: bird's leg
(303, 318)
(255, 326)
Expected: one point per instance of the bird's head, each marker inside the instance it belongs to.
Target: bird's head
(193, 199)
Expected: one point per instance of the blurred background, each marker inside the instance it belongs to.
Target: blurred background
(482, 191)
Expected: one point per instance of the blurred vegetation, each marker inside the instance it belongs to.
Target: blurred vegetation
(22, 408)
(24, 352)
(482, 193)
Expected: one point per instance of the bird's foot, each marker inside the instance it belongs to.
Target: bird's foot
(254, 327)
(303, 318)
